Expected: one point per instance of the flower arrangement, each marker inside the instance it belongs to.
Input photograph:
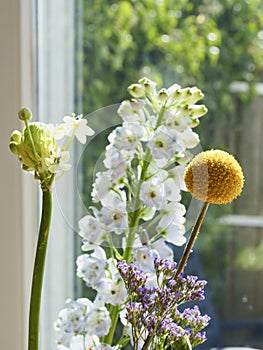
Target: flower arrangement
(140, 290)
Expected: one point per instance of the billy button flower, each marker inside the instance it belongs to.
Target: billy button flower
(214, 177)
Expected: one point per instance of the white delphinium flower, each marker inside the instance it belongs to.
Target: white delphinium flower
(106, 190)
(71, 319)
(57, 162)
(112, 290)
(172, 213)
(177, 174)
(162, 143)
(178, 118)
(127, 138)
(173, 234)
(74, 124)
(115, 219)
(184, 115)
(116, 162)
(162, 249)
(173, 91)
(152, 193)
(77, 342)
(188, 139)
(142, 131)
(83, 317)
(97, 321)
(91, 229)
(91, 269)
(171, 190)
(132, 111)
(102, 186)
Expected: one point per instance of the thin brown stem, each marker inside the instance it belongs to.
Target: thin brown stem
(147, 342)
(192, 240)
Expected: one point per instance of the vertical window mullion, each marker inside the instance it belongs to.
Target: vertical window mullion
(55, 89)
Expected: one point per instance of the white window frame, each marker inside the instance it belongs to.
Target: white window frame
(55, 98)
(17, 212)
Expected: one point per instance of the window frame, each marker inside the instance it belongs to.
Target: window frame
(55, 86)
(18, 205)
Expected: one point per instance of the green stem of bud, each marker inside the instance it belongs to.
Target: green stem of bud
(66, 148)
(37, 280)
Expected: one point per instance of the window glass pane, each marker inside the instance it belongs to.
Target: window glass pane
(194, 43)
(90, 51)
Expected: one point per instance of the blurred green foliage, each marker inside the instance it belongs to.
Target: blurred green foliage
(208, 43)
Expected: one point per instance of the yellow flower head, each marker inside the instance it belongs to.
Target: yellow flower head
(214, 177)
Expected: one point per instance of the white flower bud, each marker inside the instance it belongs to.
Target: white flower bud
(198, 110)
(143, 258)
(144, 237)
(196, 94)
(136, 90)
(194, 122)
(163, 95)
(149, 85)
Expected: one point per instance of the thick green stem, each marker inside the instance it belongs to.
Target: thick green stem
(135, 218)
(192, 239)
(114, 313)
(127, 255)
(136, 210)
(37, 280)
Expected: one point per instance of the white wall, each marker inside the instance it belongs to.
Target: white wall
(16, 235)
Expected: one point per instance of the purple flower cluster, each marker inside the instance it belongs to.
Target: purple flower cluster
(155, 311)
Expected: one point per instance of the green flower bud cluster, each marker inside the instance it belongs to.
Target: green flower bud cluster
(34, 147)
(37, 148)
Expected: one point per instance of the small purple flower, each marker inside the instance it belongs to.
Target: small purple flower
(154, 311)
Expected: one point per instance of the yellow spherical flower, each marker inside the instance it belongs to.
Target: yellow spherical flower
(214, 177)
